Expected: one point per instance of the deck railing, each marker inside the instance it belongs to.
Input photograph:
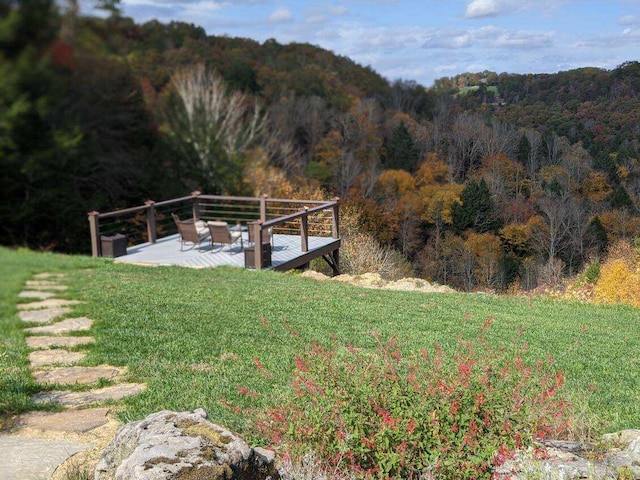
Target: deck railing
(151, 221)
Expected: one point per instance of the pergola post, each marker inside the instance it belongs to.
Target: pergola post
(94, 227)
(196, 204)
(151, 221)
(335, 218)
(263, 207)
(304, 231)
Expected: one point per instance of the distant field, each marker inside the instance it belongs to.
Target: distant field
(193, 335)
(465, 90)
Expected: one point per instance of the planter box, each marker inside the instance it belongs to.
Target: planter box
(250, 256)
(113, 246)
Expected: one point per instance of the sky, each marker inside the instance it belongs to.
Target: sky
(423, 40)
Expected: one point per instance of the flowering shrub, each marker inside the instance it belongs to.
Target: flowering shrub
(386, 415)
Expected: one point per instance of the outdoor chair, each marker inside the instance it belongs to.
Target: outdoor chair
(220, 233)
(190, 231)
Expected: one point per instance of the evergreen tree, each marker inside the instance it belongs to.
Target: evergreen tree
(597, 235)
(620, 199)
(477, 211)
(401, 150)
(523, 151)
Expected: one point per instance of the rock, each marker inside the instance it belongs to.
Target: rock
(35, 294)
(49, 303)
(623, 438)
(56, 356)
(71, 421)
(181, 446)
(81, 399)
(80, 324)
(76, 375)
(42, 316)
(32, 458)
(48, 342)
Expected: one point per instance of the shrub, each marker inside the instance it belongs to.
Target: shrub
(386, 415)
(619, 276)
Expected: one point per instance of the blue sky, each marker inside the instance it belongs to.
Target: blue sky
(426, 39)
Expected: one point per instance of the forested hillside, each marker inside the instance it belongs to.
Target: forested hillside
(480, 181)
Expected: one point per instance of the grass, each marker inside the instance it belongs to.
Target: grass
(193, 335)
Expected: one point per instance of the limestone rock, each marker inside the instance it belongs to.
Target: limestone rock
(36, 294)
(624, 437)
(42, 316)
(80, 324)
(172, 445)
(81, 399)
(56, 356)
(76, 375)
(49, 303)
(48, 342)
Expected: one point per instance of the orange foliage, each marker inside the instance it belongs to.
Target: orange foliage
(431, 171)
(595, 187)
(516, 235)
(396, 183)
(504, 176)
(620, 225)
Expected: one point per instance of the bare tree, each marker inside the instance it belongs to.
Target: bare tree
(209, 121)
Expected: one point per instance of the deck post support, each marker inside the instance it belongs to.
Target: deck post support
(196, 204)
(335, 218)
(263, 207)
(151, 221)
(304, 231)
(94, 227)
(257, 242)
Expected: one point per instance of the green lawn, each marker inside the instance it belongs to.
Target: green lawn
(193, 335)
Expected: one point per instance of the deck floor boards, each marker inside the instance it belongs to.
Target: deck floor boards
(166, 251)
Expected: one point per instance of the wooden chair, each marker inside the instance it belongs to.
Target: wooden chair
(190, 231)
(221, 234)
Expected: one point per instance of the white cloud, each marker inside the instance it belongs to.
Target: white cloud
(281, 15)
(483, 8)
(339, 10)
(523, 40)
(453, 40)
(316, 18)
(628, 20)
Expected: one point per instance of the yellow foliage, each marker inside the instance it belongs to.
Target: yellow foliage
(517, 235)
(396, 183)
(432, 171)
(619, 280)
(436, 202)
(595, 187)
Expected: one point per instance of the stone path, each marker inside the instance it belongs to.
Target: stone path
(42, 441)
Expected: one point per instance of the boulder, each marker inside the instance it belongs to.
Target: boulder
(182, 446)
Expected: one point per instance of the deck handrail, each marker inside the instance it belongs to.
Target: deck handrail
(150, 207)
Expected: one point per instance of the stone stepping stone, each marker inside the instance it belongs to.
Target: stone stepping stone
(45, 285)
(42, 316)
(71, 421)
(48, 276)
(26, 458)
(36, 294)
(80, 324)
(49, 303)
(76, 375)
(56, 356)
(48, 342)
(80, 399)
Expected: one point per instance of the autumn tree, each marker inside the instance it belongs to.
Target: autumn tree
(401, 152)
(476, 210)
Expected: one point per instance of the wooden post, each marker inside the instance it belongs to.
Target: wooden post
(257, 244)
(263, 207)
(304, 231)
(335, 223)
(151, 221)
(94, 227)
(196, 205)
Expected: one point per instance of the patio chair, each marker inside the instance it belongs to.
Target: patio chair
(267, 234)
(221, 234)
(190, 231)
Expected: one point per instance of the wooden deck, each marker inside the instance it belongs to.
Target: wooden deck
(286, 252)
